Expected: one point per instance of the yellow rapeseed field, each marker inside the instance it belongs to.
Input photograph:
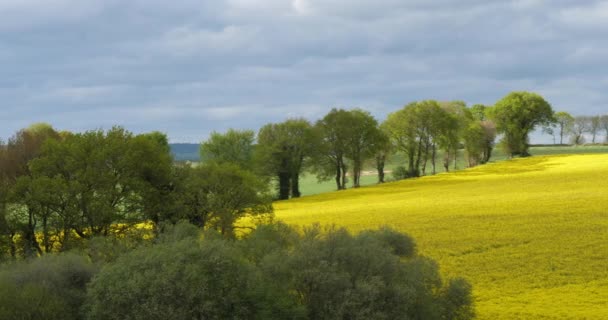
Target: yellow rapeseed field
(531, 235)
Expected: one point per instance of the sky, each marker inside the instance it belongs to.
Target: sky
(187, 67)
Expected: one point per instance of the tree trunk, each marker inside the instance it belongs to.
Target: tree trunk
(380, 160)
(356, 174)
(30, 236)
(284, 185)
(411, 163)
(426, 157)
(433, 158)
(338, 175)
(295, 185)
(344, 170)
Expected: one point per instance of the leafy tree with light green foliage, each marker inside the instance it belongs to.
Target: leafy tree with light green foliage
(479, 112)
(479, 139)
(418, 130)
(564, 122)
(233, 146)
(518, 114)
(451, 129)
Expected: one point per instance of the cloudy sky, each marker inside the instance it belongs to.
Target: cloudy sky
(189, 67)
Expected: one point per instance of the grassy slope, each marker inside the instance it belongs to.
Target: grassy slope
(530, 234)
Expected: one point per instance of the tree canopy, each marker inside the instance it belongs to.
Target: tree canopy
(516, 115)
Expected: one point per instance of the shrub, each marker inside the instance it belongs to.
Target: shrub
(51, 287)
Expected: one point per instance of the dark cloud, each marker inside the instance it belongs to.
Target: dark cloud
(188, 67)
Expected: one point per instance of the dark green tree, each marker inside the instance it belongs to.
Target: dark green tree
(282, 151)
(52, 287)
(330, 158)
(363, 142)
(216, 196)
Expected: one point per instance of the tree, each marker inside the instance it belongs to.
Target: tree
(580, 126)
(452, 127)
(333, 132)
(215, 196)
(96, 183)
(383, 151)
(418, 130)
(234, 146)
(518, 114)
(281, 152)
(363, 141)
(595, 123)
(604, 124)
(564, 122)
(479, 112)
(23, 147)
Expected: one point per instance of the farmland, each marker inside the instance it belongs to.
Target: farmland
(530, 234)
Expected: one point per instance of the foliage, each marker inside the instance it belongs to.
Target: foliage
(564, 122)
(234, 146)
(604, 126)
(479, 139)
(187, 279)
(276, 273)
(281, 152)
(400, 173)
(420, 128)
(333, 132)
(580, 126)
(52, 287)
(215, 196)
(538, 254)
(364, 140)
(516, 115)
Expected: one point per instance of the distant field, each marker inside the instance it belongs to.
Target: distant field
(310, 186)
(531, 234)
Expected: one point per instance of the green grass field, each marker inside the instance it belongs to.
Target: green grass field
(530, 234)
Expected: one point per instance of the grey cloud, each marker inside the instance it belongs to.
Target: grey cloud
(189, 67)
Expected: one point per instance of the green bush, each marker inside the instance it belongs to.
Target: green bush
(51, 287)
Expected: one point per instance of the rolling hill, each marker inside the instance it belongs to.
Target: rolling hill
(531, 234)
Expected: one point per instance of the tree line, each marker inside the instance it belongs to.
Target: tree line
(578, 129)
(338, 146)
(74, 186)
